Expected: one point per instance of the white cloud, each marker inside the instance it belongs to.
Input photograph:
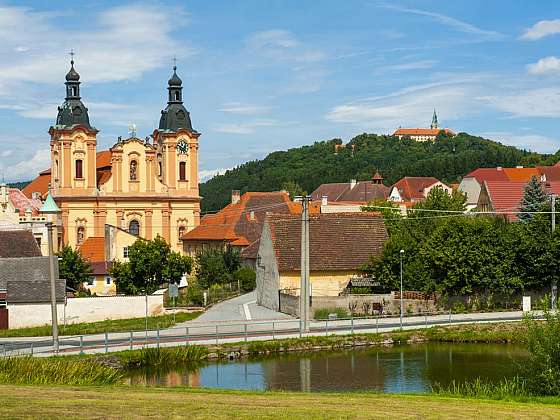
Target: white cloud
(534, 142)
(245, 128)
(29, 167)
(541, 29)
(411, 106)
(282, 45)
(540, 102)
(545, 65)
(206, 174)
(6, 153)
(118, 44)
(448, 21)
(411, 65)
(241, 108)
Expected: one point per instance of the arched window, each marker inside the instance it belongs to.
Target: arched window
(133, 170)
(56, 166)
(182, 171)
(80, 235)
(160, 169)
(134, 228)
(182, 230)
(177, 96)
(79, 168)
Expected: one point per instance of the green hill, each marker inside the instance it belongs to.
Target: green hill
(19, 185)
(447, 159)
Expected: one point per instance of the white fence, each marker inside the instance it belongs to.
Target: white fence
(90, 309)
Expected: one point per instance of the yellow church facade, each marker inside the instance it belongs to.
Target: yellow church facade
(147, 187)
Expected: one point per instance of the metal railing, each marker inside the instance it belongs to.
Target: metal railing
(226, 332)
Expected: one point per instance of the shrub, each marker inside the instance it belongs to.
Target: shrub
(458, 308)
(163, 358)
(246, 278)
(542, 370)
(325, 312)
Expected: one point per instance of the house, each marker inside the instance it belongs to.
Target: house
(24, 275)
(423, 134)
(19, 211)
(497, 178)
(239, 224)
(352, 192)
(100, 252)
(339, 244)
(413, 189)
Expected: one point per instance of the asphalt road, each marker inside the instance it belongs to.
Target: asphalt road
(206, 333)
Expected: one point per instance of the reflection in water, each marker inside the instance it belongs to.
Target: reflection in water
(412, 368)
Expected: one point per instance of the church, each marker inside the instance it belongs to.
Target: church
(145, 187)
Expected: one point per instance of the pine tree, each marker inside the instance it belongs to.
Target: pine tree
(534, 198)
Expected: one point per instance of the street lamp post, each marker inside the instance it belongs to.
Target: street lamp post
(401, 255)
(50, 208)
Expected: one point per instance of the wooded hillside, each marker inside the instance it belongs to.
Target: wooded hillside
(447, 159)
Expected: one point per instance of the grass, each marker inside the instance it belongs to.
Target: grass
(162, 358)
(506, 389)
(118, 325)
(324, 313)
(29, 370)
(133, 402)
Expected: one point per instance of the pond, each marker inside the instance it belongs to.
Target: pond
(410, 368)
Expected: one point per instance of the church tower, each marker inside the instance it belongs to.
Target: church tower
(177, 144)
(434, 125)
(73, 144)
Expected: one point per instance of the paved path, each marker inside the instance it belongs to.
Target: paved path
(241, 308)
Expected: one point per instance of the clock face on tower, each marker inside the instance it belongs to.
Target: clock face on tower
(182, 148)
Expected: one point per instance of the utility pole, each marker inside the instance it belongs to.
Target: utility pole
(554, 286)
(401, 253)
(304, 285)
(54, 314)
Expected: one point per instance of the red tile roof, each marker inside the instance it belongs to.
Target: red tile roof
(22, 203)
(41, 183)
(362, 192)
(241, 224)
(506, 196)
(101, 268)
(93, 249)
(421, 131)
(551, 173)
(412, 187)
(488, 174)
(520, 174)
(337, 242)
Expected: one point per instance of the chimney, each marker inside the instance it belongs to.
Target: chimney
(235, 196)
(3, 193)
(252, 215)
(352, 183)
(499, 168)
(519, 166)
(324, 200)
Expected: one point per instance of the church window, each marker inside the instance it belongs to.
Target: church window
(77, 111)
(180, 115)
(80, 235)
(134, 228)
(177, 96)
(182, 171)
(133, 170)
(79, 168)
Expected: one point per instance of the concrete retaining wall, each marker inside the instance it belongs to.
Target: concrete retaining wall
(85, 310)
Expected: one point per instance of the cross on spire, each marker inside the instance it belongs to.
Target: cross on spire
(72, 54)
(174, 63)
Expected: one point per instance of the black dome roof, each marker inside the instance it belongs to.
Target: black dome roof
(175, 80)
(72, 75)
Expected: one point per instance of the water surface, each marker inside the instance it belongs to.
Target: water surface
(410, 368)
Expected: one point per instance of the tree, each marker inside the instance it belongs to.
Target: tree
(246, 277)
(534, 198)
(440, 199)
(211, 268)
(73, 268)
(293, 189)
(151, 264)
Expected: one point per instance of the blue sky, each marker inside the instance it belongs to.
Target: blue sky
(261, 76)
